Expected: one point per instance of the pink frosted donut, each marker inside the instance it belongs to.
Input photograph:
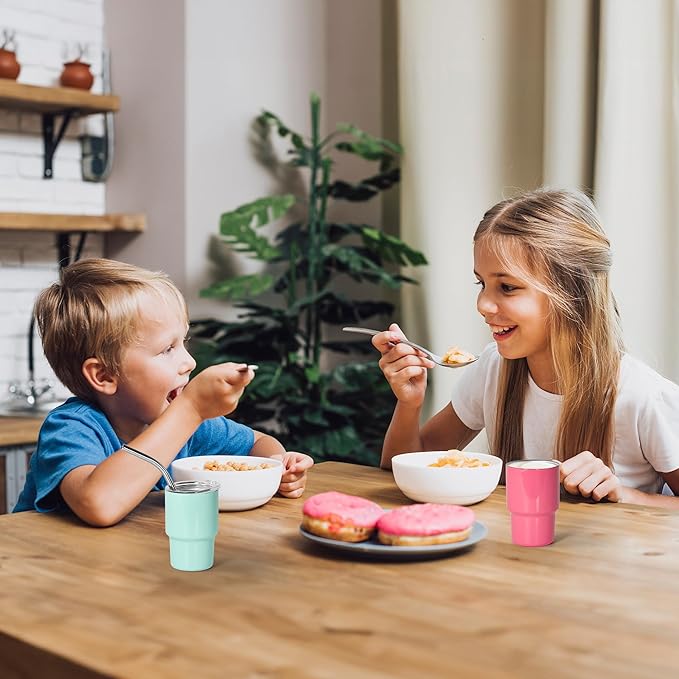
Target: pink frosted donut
(340, 517)
(425, 524)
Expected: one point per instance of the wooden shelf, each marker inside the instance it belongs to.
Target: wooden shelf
(36, 99)
(27, 221)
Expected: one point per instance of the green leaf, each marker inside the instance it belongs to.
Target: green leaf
(391, 248)
(360, 267)
(367, 146)
(240, 287)
(238, 226)
(365, 189)
(302, 152)
(313, 374)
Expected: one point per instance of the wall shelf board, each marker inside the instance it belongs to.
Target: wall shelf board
(27, 221)
(36, 99)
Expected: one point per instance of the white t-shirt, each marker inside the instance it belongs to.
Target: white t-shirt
(646, 417)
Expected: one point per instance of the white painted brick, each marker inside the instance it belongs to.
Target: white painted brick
(88, 194)
(69, 149)
(67, 169)
(24, 144)
(29, 166)
(26, 189)
(20, 279)
(39, 75)
(64, 168)
(26, 23)
(18, 206)
(11, 206)
(94, 125)
(38, 51)
(26, 5)
(8, 164)
(16, 307)
(76, 33)
(90, 15)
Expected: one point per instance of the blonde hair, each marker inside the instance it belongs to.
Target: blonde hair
(553, 239)
(93, 312)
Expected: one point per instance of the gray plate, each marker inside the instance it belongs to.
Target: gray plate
(376, 549)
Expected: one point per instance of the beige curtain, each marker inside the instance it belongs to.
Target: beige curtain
(498, 96)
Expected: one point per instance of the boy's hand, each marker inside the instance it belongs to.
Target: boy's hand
(586, 475)
(217, 390)
(293, 481)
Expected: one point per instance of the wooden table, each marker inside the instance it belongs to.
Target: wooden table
(84, 602)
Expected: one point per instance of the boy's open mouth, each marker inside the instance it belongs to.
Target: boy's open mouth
(173, 394)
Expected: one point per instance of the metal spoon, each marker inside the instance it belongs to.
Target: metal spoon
(152, 460)
(429, 354)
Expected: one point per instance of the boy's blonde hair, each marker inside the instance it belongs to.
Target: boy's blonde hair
(554, 240)
(93, 312)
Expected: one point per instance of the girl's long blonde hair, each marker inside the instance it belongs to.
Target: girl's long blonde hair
(553, 239)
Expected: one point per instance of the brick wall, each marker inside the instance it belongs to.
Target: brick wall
(47, 34)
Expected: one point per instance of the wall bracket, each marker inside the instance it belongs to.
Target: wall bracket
(50, 139)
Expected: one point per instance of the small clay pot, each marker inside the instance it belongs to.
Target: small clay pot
(77, 74)
(9, 66)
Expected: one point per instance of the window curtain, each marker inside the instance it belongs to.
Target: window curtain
(499, 96)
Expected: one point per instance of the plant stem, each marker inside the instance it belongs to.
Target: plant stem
(312, 282)
(322, 238)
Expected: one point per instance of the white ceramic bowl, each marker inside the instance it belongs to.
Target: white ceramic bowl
(237, 490)
(445, 485)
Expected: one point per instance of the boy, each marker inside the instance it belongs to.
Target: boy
(115, 336)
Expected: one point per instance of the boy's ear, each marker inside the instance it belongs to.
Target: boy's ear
(99, 378)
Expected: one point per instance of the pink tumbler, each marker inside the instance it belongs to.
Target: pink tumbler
(532, 500)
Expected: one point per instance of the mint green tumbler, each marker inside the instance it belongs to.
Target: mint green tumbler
(191, 523)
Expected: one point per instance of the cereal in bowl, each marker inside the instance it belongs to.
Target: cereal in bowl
(214, 466)
(458, 459)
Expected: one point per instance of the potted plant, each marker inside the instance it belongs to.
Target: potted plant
(339, 408)
(9, 66)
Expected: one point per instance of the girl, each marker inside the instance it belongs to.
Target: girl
(556, 382)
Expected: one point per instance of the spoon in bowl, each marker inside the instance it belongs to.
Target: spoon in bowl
(429, 354)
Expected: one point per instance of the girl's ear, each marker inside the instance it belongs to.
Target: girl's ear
(99, 378)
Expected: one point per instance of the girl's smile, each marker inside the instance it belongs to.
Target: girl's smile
(516, 312)
(501, 333)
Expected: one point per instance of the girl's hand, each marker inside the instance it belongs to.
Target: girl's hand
(588, 476)
(217, 390)
(404, 368)
(293, 481)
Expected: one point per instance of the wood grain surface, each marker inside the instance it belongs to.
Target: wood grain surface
(38, 221)
(84, 602)
(38, 99)
(15, 431)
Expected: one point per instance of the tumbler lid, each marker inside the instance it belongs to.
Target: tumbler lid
(192, 486)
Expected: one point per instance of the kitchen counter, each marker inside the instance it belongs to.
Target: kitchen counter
(16, 431)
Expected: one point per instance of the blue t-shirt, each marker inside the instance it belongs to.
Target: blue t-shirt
(77, 433)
